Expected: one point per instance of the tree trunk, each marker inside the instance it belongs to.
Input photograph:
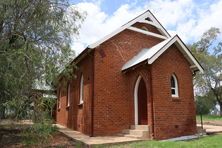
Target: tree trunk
(2, 112)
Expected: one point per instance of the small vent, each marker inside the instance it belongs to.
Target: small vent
(148, 19)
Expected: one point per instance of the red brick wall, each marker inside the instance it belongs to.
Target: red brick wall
(62, 114)
(114, 90)
(78, 117)
(172, 117)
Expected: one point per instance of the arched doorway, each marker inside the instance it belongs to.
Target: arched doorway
(140, 102)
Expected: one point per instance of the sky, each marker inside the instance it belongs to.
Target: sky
(187, 18)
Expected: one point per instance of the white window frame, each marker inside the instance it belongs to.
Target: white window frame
(68, 95)
(81, 90)
(174, 88)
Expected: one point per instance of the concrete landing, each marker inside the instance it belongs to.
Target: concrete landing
(210, 129)
(91, 141)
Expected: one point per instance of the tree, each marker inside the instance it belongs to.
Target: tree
(34, 44)
(205, 103)
(209, 52)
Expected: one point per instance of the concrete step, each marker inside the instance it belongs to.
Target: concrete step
(143, 136)
(120, 134)
(134, 132)
(125, 131)
(140, 127)
(137, 131)
(132, 136)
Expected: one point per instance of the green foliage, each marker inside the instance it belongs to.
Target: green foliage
(19, 108)
(204, 104)
(38, 133)
(49, 104)
(43, 108)
(209, 118)
(209, 52)
(35, 37)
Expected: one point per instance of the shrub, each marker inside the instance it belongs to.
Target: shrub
(204, 104)
(38, 133)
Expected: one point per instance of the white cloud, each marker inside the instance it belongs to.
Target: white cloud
(97, 23)
(209, 18)
(184, 17)
(170, 12)
(91, 27)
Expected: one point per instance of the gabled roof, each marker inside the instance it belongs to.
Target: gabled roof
(142, 17)
(151, 54)
(148, 18)
(147, 14)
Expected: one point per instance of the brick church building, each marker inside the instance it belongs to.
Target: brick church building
(136, 81)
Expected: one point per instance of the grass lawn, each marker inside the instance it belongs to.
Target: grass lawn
(209, 118)
(214, 141)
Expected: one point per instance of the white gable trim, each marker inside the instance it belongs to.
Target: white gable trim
(162, 50)
(172, 41)
(147, 32)
(150, 23)
(130, 23)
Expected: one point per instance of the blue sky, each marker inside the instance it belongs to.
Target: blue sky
(187, 18)
(109, 6)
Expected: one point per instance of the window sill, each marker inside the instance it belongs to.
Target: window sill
(80, 104)
(176, 99)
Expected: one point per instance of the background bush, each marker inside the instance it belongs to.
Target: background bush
(204, 104)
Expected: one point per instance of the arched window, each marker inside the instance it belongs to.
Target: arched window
(68, 94)
(174, 86)
(81, 90)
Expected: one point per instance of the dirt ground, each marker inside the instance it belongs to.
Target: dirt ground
(11, 138)
(213, 122)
